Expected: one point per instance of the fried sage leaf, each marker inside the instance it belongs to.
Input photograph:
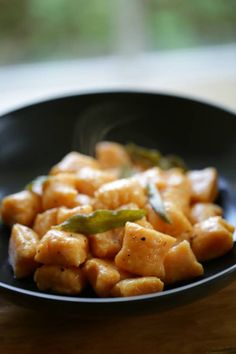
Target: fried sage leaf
(152, 157)
(100, 221)
(36, 185)
(148, 157)
(126, 171)
(156, 202)
(170, 161)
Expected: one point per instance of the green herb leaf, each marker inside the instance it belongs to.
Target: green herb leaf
(170, 161)
(149, 157)
(100, 221)
(126, 171)
(156, 202)
(36, 185)
(152, 157)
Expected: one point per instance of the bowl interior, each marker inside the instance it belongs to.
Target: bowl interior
(34, 138)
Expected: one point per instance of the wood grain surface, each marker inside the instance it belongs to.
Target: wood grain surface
(207, 326)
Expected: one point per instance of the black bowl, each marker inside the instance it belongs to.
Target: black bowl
(35, 137)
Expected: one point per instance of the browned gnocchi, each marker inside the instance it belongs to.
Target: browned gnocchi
(120, 223)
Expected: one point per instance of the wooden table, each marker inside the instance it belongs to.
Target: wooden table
(207, 326)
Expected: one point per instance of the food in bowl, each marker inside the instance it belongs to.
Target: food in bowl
(127, 222)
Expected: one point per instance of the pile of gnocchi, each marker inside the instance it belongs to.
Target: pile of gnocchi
(124, 226)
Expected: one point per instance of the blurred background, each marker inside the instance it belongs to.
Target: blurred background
(51, 47)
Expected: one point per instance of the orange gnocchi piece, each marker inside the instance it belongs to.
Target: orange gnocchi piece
(106, 244)
(137, 286)
(88, 180)
(102, 275)
(179, 227)
(44, 221)
(203, 184)
(66, 213)
(114, 194)
(62, 248)
(111, 155)
(181, 264)
(143, 251)
(59, 191)
(62, 280)
(20, 208)
(212, 238)
(22, 249)
(203, 211)
(73, 162)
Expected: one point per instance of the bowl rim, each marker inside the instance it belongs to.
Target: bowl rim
(119, 91)
(166, 293)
